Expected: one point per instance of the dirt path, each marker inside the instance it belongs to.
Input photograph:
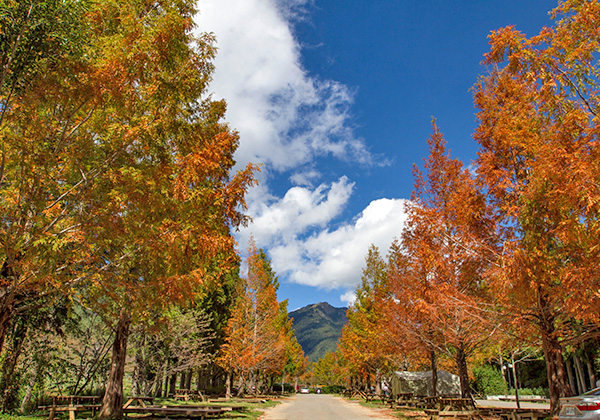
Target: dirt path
(323, 407)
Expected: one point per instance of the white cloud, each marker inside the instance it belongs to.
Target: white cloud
(280, 221)
(327, 259)
(305, 177)
(335, 259)
(286, 120)
(284, 116)
(349, 298)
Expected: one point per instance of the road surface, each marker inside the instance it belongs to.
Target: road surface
(323, 407)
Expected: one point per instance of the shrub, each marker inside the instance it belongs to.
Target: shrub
(489, 381)
(333, 389)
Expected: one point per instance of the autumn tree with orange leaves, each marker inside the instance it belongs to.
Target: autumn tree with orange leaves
(433, 300)
(43, 167)
(259, 338)
(115, 166)
(539, 163)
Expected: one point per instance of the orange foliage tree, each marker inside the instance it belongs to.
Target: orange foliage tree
(259, 337)
(437, 278)
(539, 163)
(42, 160)
(116, 164)
(407, 321)
(168, 199)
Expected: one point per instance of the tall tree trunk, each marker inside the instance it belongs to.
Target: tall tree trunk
(558, 382)
(8, 385)
(172, 384)
(241, 383)
(515, 381)
(30, 385)
(571, 375)
(139, 382)
(434, 373)
(112, 404)
(463, 373)
(590, 368)
(580, 374)
(167, 378)
(158, 389)
(9, 277)
(502, 369)
(6, 315)
(188, 379)
(228, 385)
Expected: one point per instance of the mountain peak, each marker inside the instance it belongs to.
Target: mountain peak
(318, 328)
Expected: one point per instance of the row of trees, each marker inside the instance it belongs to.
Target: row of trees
(505, 252)
(117, 197)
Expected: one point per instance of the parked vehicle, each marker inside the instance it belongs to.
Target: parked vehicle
(582, 407)
(304, 390)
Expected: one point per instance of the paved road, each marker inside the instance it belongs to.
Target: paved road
(322, 407)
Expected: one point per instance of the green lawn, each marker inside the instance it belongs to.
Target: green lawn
(251, 410)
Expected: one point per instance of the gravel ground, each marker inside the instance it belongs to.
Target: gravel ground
(323, 407)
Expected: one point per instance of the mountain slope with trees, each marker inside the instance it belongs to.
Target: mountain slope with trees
(318, 328)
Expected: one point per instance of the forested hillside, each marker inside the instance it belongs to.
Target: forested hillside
(318, 328)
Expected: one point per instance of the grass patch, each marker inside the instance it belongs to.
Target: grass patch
(251, 410)
(23, 417)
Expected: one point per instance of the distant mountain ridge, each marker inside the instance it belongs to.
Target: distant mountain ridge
(318, 328)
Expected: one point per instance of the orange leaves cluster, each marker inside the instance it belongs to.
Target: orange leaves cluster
(430, 298)
(259, 335)
(116, 167)
(538, 163)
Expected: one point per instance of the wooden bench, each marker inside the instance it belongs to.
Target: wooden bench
(188, 395)
(141, 401)
(523, 414)
(454, 407)
(221, 407)
(189, 412)
(71, 408)
(373, 397)
(435, 414)
(73, 404)
(403, 400)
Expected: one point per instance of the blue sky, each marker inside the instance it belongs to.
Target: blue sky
(334, 98)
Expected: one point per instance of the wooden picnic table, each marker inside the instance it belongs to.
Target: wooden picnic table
(72, 404)
(403, 399)
(373, 396)
(431, 403)
(193, 412)
(453, 407)
(74, 399)
(188, 395)
(141, 401)
(512, 413)
(456, 404)
(227, 407)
